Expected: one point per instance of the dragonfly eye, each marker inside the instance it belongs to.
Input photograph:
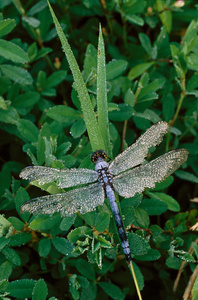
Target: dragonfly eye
(98, 154)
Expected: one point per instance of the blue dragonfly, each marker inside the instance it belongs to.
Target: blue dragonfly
(127, 174)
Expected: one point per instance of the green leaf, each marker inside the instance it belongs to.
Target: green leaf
(151, 87)
(139, 276)
(146, 43)
(124, 113)
(173, 205)
(139, 70)
(141, 217)
(90, 218)
(21, 288)
(21, 197)
(102, 221)
(44, 132)
(67, 222)
(13, 52)
(11, 255)
(195, 289)
(112, 290)
(17, 74)
(85, 269)
(9, 115)
(173, 263)
(44, 247)
(4, 221)
(31, 21)
(87, 108)
(82, 231)
(55, 79)
(164, 14)
(195, 248)
(78, 128)
(64, 113)
(154, 206)
(5, 270)
(6, 26)
(63, 245)
(3, 241)
(28, 130)
(36, 8)
(116, 68)
(102, 104)
(134, 19)
(16, 223)
(168, 106)
(151, 255)
(20, 239)
(129, 98)
(26, 100)
(40, 290)
(42, 222)
(138, 245)
(186, 176)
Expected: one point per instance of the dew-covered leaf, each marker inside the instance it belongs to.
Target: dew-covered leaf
(11, 255)
(17, 74)
(78, 128)
(64, 113)
(9, 115)
(22, 288)
(141, 217)
(6, 26)
(115, 68)
(20, 239)
(138, 245)
(75, 234)
(63, 245)
(40, 290)
(13, 52)
(28, 130)
(102, 221)
(44, 247)
(124, 113)
(151, 255)
(5, 270)
(42, 222)
(139, 70)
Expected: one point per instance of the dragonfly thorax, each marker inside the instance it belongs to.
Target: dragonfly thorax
(104, 176)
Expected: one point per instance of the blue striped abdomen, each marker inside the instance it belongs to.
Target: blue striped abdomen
(123, 237)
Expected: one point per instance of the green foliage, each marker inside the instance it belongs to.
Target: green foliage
(48, 116)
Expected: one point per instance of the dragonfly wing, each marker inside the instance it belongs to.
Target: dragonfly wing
(136, 153)
(64, 177)
(136, 180)
(81, 200)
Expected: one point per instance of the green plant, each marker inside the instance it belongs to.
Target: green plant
(151, 77)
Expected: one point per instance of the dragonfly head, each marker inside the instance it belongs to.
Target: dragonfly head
(98, 155)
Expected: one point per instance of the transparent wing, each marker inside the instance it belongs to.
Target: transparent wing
(136, 153)
(136, 180)
(81, 200)
(64, 177)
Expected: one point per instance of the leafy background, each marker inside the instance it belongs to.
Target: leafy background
(152, 63)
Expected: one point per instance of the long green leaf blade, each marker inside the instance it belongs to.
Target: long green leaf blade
(102, 95)
(88, 112)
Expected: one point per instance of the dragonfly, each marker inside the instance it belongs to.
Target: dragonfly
(128, 174)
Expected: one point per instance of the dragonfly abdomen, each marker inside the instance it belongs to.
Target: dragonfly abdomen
(123, 237)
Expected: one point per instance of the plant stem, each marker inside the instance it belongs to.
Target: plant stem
(135, 280)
